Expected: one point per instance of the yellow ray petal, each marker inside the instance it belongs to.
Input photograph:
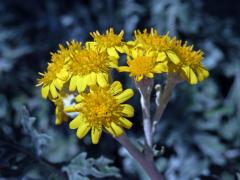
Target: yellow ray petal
(76, 122)
(58, 83)
(173, 57)
(116, 129)
(125, 95)
(96, 134)
(202, 73)
(161, 57)
(112, 52)
(160, 67)
(123, 69)
(102, 79)
(53, 91)
(191, 76)
(63, 74)
(116, 88)
(91, 79)
(74, 108)
(45, 91)
(73, 83)
(81, 84)
(83, 130)
(125, 123)
(150, 75)
(128, 110)
(79, 98)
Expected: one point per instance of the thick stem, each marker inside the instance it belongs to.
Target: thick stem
(147, 165)
(163, 100)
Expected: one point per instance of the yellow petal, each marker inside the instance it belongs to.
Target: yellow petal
(116, 88)
(79, 98)
(63, 74)
(116, 129)
(160, 67)
(73, 83)
(45, 91)
(113, 63)
(112, 52)
(81, 84)
(150, 75)
(91, 79)
(123, 69)
(58, 83)
(202, 73)
(83, 130)
(120, 49)
(53, 91)
(74, 108)
(173, 57)
(102, 79)
(161, 57)
(134, 53)
(96, 134)
(125, 122)
(191, 76)
(139, 78)
(125, 95)
(76, 122)
(131, 43)
(127, 111)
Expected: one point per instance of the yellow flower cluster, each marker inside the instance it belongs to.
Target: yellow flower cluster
(84, 70)
(169, 55)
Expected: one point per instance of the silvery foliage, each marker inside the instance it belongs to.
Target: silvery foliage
(81, 167)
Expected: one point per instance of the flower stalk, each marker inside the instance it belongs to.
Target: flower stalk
(147, 165)
(162, 98)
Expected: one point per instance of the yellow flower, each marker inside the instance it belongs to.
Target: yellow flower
(151, 40)
(109, 41)
(144, 63)
(53, 80)
(61, 116)
(90, 66)
(72, 47)
(187, 62)
(102, 108)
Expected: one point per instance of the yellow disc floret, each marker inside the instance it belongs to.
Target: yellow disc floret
(102, 108)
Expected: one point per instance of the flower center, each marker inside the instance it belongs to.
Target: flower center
(141, 65)
(188, 55)
(87, 61)
(153, 40)
(109, 40)
(100, 108)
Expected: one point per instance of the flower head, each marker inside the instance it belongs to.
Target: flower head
(67, 52)
(187, 62)
(53, 80)
(144, 63)
(109, 42)
(102, 108)
(90, 66)
(151, 40)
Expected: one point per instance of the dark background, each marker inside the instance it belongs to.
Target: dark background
(198, 137)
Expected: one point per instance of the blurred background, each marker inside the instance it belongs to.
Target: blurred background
(198, 137)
